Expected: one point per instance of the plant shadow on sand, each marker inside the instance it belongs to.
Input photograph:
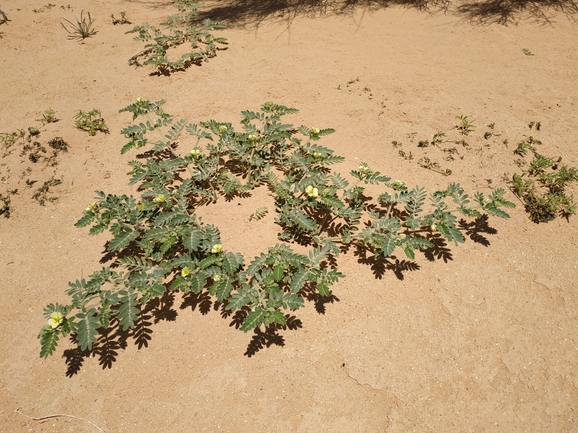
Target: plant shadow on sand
(112, 339)
(254, 12)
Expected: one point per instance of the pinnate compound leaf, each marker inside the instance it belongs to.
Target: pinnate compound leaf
(198, 283)
(332, 201)
(302, 220)
(208, 261)
(259, 213)
(238, 300)
(323, 289)
(409, 252)
(299, 279)
(254, 319)
(48, 341)
(86, 327)
(128, 312)
(224, 288)
(232, 262)
(123, 239)
(278, 272)
(275, 317)
(192, 238)
(388, 245)
(451, 233)
(85, 220)
(293, 301)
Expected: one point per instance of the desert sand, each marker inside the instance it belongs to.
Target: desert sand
(479, 337)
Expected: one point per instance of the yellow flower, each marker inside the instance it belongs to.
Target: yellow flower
(252, 137)
(90, 206)
(217, 278)
(185, 271)
(56, 319)
(217, 248)
(138, 99)
(222, 128)
(140, 206)
(314, 131)
(311, 191)
(160, 198)
(317, 155)
(195, 152)
(363, 168)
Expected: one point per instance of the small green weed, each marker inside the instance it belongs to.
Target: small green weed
(542, 188)
(543, 182)
(91, 122)
(180, 31)
(466, 126)
(41, 195)
(81, 29)
(49, 116)
(121, 20)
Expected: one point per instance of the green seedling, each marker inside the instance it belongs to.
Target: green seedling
(49, 116)
(91, 122)
(81, 29)
(542, 188)
(465, 126)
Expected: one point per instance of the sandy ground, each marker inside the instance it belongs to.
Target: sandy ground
(479, 338)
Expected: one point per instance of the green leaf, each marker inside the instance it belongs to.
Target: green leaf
(198, 283)
(224, 288)
(253, 320)
(388, 245)
(232, 262)
(332, 201)
(451, 233)
(278, 272)
(128, 312)
(123, 239)
(299, 279)
(409, 252)
(48, 341)
(208, 261)
(86, 219)
(275, 317)
(301, 219)
(192, 238)
(323, 289)
(293, 301)
(87, 326)
(238, 300)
